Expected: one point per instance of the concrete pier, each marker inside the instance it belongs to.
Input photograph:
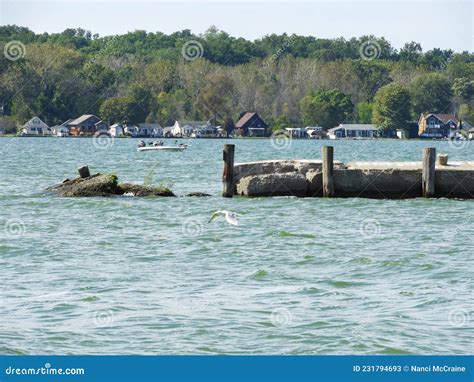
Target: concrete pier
(385, 180)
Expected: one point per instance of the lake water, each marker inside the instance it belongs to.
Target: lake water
(297, 276)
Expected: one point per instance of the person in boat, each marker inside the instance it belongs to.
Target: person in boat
(141, 144)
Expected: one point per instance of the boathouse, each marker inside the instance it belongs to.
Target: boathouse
(251, 124)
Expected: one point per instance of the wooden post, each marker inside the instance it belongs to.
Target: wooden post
(228, 174)
(443, 159)
(84, 172)
(428, 172)
(328, 171)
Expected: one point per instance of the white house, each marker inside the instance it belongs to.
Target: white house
(150, 130)
(35, 126)
(59, 131)
(336, 132)
(205, 132)
(296, 132)
(314, 132)
(471, 134)
(145, 130)
(353, 131)
(187, 128)
(116, 130)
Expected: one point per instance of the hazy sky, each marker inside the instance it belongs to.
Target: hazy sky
(444, 24)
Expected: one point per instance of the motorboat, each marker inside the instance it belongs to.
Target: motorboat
(163, 148)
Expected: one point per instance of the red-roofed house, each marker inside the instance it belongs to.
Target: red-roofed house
(252, 125)
(437, 125)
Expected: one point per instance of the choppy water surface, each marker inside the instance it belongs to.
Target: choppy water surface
(129, 275)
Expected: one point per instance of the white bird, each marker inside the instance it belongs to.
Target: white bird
(230, 217)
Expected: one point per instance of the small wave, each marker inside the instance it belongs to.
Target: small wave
(291, 234)
(260, 274)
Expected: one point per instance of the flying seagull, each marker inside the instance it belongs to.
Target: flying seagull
(230, 217)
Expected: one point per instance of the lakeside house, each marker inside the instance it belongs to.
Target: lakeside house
(61, 130)
(208, 131)
(153, 130)
(353, 131)
(251, 124)
(35, 127)
(192, 128)
(471, 134)
(296, 132)
(116, 130)
(144, 130)
(87, 125)
(432, 125)
(314, 132)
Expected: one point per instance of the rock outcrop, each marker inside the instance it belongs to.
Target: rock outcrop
(104, 185)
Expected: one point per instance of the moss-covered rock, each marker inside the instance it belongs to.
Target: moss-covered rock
(105, 185)
(139, 190)
(95, 185)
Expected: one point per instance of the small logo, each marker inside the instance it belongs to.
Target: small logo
(192, 227)
(280, 140)
(103, 318)
(192, 50)
(459, 144)
(458, 318)
(370, 50)
(102, 140)
(281, 317)
(14, 50)
(15, 227)
(370, 228)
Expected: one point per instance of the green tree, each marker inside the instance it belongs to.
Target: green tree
(116, 110)
(410, 52)
(327, 108)
(463, 89)
(392, 107)
(364, 112)
(229, 125)
(8, 125)
(431, 93)
(281, 123)
(215, 96)
(170, 107)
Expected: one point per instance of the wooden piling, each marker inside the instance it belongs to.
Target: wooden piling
(228, 174)
(328, 171)
(443, 159)
(428, 172)
(84, 172)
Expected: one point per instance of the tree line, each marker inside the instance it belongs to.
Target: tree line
(289, 80)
